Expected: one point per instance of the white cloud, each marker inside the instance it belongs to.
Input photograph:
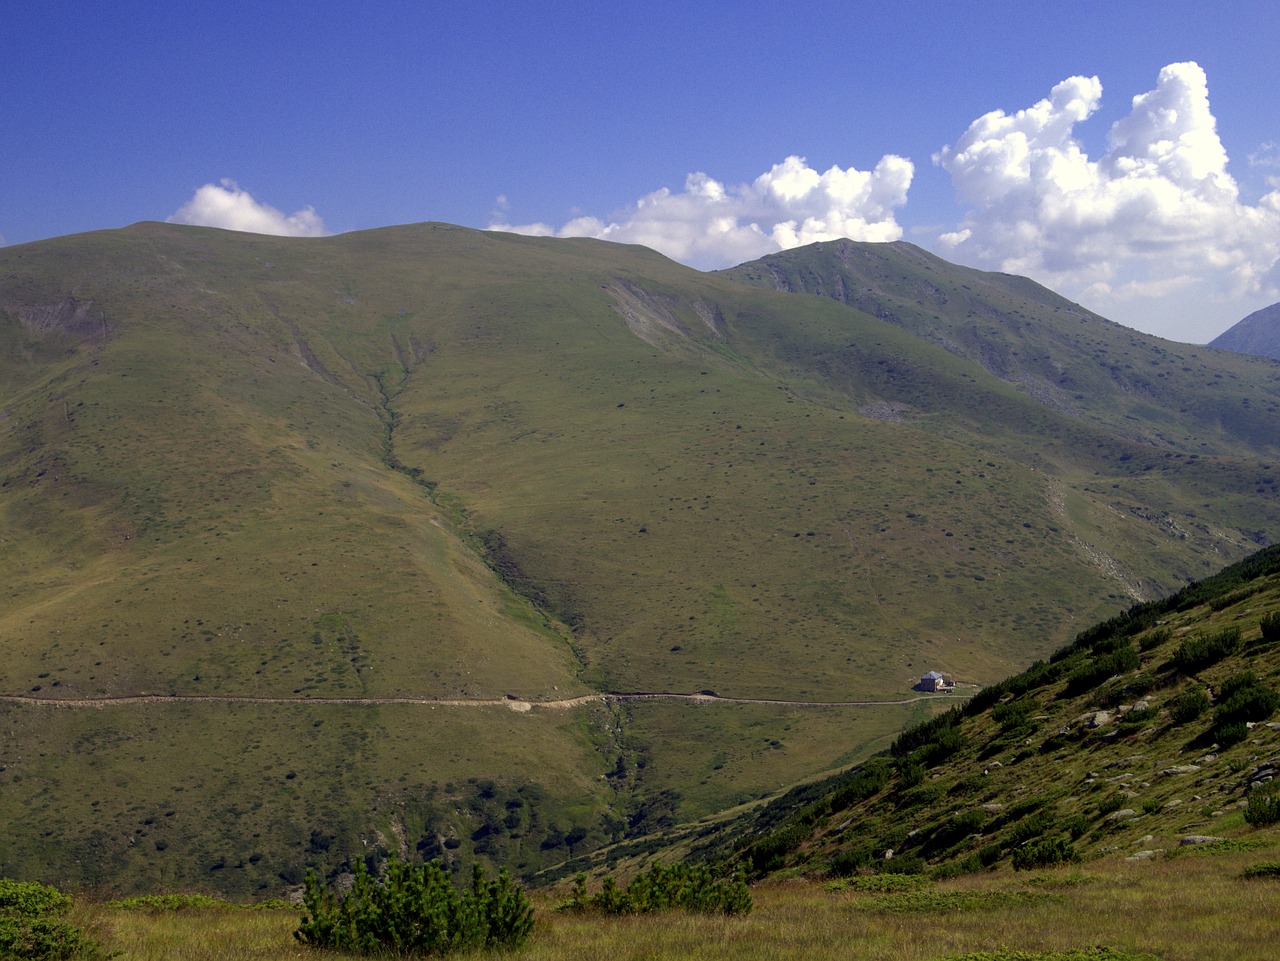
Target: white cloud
(225, 205)
(1156, 221)
(710, 225)
(1267, 155)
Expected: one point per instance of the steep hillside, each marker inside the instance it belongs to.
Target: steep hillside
(1259, 333)
(392, 510)
(1153, 732)
(1071, 360)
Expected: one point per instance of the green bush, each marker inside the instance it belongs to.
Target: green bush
(910, 773)
(1188, 705)
(1077, 826)
(1153, 639)
(770, 852)
(1042, 854)
(1270, 625)
(663, 888)
(1014, 715)
(44, 939)
(415, 909)
(1268, 869)
(1120, 659)
(1241, 700)
(881, 883)
(28, 899)
(1230, 733)
(851, 860)
(1236, 683)
(28, 929)
(927, 733)
(958, 827)
(1136, 720)
(867, 781)
(1110, 803)
(1263, 807)
(1197, 653)
(1033, 826)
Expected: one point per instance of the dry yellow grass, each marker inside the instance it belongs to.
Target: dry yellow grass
(1193, 908)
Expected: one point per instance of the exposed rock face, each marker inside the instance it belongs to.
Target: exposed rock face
(78, 318)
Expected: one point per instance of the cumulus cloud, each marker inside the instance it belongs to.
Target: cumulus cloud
(1157, 217)
(225, 205)
(710, 225)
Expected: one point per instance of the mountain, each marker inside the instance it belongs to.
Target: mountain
(386, 540)
(1071, 360)
(1151, 733)
(1259, 333)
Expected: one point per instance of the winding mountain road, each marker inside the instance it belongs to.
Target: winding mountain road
(509, 702)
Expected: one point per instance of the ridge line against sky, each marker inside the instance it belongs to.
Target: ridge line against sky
(990, 133)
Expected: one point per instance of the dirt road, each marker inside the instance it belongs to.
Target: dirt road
(510, 702)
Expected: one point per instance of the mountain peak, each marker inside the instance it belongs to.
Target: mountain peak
(1258, 334)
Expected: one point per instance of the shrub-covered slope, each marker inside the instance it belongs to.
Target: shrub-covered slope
(1151, 732)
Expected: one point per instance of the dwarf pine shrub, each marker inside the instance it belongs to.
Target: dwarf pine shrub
(30, 929)
(1042, 854)
(1197, 653)
(44, 939)
(1241, 700)
(28, 899)
(662, 888)
(1188, 705)
(1268, 869)
(415, 909)
(1270, 625)
(1117, 656)
(1263, 807)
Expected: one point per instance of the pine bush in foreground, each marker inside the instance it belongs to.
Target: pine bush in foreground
(415, 909)
(29, 928)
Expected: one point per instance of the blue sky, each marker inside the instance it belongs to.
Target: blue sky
(580, 118)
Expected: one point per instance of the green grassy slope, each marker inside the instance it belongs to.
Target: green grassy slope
(431, 462)
(1167, 394)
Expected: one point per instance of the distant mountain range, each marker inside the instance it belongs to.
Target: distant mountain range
(1259, 333)
(313, 547)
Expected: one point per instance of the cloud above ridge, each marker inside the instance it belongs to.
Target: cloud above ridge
(710, 225)
(227, 206)
(1157, 216)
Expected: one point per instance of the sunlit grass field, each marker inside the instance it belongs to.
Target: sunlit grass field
(1193, 907)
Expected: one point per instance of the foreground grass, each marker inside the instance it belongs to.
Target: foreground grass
(1177, 909)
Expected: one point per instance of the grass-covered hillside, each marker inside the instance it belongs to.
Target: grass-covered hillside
(1067, 357)
(1154, 734)
(303, 538)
